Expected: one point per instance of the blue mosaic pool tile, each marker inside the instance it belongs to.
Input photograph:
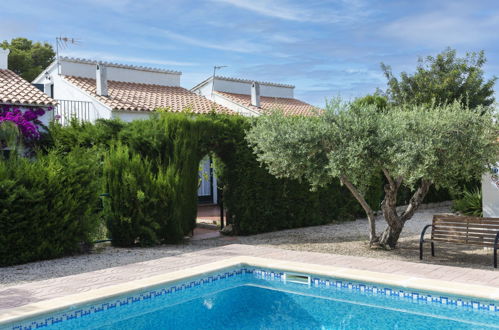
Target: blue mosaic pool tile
(272, 276)
(372, 289)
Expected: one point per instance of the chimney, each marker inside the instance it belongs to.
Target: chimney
(101, 80)
(255, 94)
(4, 56)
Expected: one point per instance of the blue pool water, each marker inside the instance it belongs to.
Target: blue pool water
(248, 298)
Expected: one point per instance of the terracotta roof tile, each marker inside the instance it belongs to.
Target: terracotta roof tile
(126, 96)
(289, 106)
(16, 90)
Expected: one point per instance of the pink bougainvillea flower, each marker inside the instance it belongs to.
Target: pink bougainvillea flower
(27, 121)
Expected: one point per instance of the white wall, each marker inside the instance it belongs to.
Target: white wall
(233, 106)
(131, 116)
(205, 90)
(64, 90)
(87, 70)
(4, 56)
(236, 87)
(490, 193)
(47, 117)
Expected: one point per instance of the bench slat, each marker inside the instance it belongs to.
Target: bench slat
(466, 221)
(461, 217)
(464, 231)
(466, 228)
(462, 242)
(486, 223)
(473, 238)
(469, 238)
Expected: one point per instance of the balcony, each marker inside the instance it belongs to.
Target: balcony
(68, 109)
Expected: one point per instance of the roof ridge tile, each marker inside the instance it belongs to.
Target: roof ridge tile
(251, 81)
(118, 65)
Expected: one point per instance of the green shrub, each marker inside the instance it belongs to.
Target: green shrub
(162, 162)
(259, 202)
(48, 207)
(138, 201)
(82, 134)
(470, 203)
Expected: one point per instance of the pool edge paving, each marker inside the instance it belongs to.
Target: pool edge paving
(413, 282)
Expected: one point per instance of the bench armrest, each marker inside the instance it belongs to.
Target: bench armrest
(421, 240)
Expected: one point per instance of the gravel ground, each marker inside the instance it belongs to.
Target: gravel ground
(346, 238)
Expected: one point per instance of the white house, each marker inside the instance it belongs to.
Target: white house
(15, 92)
(253, 98)
(89, 90)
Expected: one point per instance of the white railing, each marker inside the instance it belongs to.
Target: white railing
(68, 109)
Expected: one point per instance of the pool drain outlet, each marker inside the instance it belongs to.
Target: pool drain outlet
(297, 278)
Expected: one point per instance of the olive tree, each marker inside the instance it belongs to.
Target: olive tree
(415, 146)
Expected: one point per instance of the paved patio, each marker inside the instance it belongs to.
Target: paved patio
(208, 213)
(19, 295)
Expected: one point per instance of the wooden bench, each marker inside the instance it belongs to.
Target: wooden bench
(464, 230)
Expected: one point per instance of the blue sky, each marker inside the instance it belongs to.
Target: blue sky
(324, 48)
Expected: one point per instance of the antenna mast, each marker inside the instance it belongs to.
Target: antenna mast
(62, 42)
(215, 68)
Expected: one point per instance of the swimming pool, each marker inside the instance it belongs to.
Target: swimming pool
(248, 297)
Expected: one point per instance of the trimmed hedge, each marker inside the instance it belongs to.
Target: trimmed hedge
(83, 135)
(151, 174)
(48, 207)
(259, 202)
(152, 178)
(153, 182)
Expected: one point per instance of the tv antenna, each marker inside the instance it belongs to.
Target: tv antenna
(215, 68)
(62, 43)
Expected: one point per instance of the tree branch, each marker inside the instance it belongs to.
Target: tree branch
(389, 178)
(399, 181)
(369, 211)
(416, 200)
(394, 184)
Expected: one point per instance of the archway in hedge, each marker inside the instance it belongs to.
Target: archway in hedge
(210, 212)
(153, 175)
(153, 178)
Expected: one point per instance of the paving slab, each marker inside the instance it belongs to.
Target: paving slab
(23, 294)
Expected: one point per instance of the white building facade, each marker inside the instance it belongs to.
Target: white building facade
(490, 193)
(89, 90)
(252, 98)
(57, 85)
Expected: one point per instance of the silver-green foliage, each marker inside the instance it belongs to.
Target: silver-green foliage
(410, 144)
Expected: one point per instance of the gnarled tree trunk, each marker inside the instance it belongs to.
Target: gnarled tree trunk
(391, 234)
